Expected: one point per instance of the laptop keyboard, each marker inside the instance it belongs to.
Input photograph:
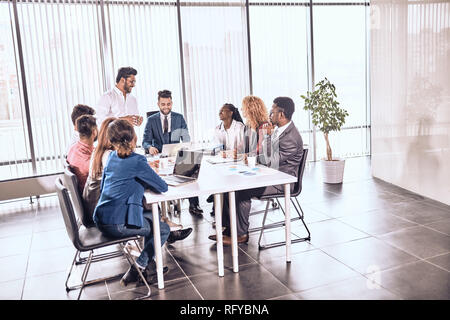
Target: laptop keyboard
(177, 179)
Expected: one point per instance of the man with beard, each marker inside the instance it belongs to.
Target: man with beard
(167, 127)
(118, 101)
(80, 152)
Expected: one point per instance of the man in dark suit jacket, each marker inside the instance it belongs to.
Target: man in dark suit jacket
(282, 149)
(167, 127)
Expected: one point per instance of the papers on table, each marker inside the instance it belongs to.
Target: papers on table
(242, 170)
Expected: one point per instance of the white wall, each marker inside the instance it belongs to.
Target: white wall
(410, 95)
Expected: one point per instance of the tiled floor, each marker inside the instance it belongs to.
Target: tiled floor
(370, 240)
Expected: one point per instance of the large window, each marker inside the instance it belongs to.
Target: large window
(340, 55)
(216, 63)
(15, 153)
(55, 54)
(280, 36)
(62, 65)
(145, 37)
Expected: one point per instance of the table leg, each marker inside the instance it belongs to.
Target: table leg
(157, 244)
(164, 208)
(287, 212)
(218, 216)
(234, 244)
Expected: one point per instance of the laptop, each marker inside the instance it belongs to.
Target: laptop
(187, 168)
(171, 149)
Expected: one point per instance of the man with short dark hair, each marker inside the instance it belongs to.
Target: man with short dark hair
(79, 153)
(118, 102)
(282, 149)
(167, 127)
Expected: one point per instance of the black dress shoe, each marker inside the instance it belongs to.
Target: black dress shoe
(150, 272)
(179, 235)
(132, 275)
(196, 211)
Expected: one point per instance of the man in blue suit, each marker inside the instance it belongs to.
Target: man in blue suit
(167, 127)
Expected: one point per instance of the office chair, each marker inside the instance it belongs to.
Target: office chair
(150, 113)
(83, 218)
(297, 190)
(88, 239)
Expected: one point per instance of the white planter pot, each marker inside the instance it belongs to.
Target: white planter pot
(333, 171)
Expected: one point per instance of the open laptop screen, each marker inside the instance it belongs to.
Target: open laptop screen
(188, 163)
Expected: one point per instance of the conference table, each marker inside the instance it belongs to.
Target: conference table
(218, 179)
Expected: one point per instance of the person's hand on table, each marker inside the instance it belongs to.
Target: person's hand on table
(153, 151)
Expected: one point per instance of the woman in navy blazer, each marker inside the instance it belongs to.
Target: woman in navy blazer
(120, 211)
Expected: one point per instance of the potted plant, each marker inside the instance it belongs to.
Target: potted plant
(327, 116)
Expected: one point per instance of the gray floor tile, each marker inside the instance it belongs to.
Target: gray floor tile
(13, 267)
(16, 245)
(203, 258)
(286, 297)
(50, 261)
(271, 236)
(443, 261)
(50, 240)
(419, 241)
(441, 226)
(181, 289)
(252, 282)
(418, 280)
(368, 254)
(11, 290)
(308, 270)
(376, 222)
(330, 232)
(421, 213)
(358, 288)
(13, 229)
(51, 287)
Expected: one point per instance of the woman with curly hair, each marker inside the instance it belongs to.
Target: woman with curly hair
(255, 112)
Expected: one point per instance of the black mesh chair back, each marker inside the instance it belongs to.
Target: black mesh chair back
(301, 168)
(150, 113)
(297, 185)
(71, 182)
(297, 189)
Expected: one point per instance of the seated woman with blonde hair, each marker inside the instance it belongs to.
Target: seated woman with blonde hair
(255, 112)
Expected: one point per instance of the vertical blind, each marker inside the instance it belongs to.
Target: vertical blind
(215, 61)
(284, 43)
(203, 51)
(145, 37)
(62, 62)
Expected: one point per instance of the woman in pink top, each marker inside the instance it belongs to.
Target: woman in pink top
(79, 154)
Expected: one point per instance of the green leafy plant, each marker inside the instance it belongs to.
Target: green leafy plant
(325, 112)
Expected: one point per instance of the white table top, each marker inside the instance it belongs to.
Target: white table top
(220, 178)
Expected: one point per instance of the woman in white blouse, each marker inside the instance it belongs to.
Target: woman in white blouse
(230, 132)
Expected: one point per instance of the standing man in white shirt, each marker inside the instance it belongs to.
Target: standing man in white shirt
(118, 101)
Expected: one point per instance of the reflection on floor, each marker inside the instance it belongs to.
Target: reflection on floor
(370, 240)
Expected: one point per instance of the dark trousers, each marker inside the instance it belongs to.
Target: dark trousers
(243, 206)
(193, 201)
